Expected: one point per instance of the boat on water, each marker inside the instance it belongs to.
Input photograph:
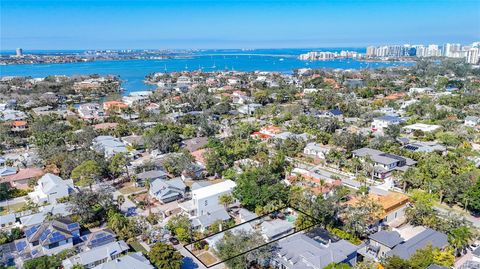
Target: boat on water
(281, 59)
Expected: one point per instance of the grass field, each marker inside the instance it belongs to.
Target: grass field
(207, 258)
(13, 208)
(129, 188)
(137, 247)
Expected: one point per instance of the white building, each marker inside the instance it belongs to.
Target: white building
(426, 128)
(50, 188)
(205, 200)
(317, 150)
(379, 124)
(472, 121)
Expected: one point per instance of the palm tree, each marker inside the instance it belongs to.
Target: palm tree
(120, 200)
(226, 199)
(147, 196)
(460, 237)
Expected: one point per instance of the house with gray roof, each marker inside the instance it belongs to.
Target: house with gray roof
(47, 238)
(428, 146)
(108, 145)
(273, 229)
(152, 175)
(167, 191)
(44, 211)
(96, 256)
(427, 237)
(299, 251)
(195, 144)
(50, 188)
(204, 221)
(131, 261)
(382, 242)
(384, 163)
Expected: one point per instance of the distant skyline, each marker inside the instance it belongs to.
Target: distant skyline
(211, 24)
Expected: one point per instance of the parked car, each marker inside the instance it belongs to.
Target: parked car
(174, 241)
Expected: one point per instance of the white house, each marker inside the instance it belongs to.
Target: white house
(50, 188)
(379, 124)
(167, 190)
(249, 109)
(316, 150)
(205, 200)
(426, 128)
(108, 145)
(472, 121)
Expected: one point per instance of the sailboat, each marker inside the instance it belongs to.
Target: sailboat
(214, 66)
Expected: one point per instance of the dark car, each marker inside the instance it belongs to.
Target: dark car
(174, 241)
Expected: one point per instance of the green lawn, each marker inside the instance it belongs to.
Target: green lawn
(137, 247)
(13, 208)
(130, 188)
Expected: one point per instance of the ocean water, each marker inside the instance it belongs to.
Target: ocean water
(133, 72)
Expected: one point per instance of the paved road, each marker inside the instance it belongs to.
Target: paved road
(474, 220)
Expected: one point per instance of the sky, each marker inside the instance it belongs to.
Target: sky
(189, 24)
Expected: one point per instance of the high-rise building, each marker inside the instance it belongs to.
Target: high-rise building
(19, 52)
(472, 56)
(371, 51)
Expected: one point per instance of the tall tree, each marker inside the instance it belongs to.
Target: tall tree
(86, 173)
(165, 256)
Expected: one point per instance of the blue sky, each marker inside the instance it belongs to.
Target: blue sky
(89, 24)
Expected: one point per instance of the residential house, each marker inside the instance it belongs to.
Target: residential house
(429, 146)
(12, 115)
(47, 238)
(152, 175)
(425, 128)
(427, 237)
(195, 144)
(43, 212)
(311, 251)
(108, 146)
(97, 256)
(90, 111)
(382, 242)
(131, 261)
(21, 177)
(115, 106)
(134, 141)
(50, 188)
(420, 90)
(316, 150)
(471, 121)
(167, 191)
(384, 163)
(333, 113)
(204, 207)
(19, 126)
(249, 109)
(275, 228)
(379, 124)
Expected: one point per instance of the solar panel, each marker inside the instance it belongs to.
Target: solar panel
(101, 240)
(73, 226)
(45, 234)
(31, 230)
(34, 252)
(20, 246)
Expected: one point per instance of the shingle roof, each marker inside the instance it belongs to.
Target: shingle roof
(132, 261)
(387, 238)
(428, 236)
